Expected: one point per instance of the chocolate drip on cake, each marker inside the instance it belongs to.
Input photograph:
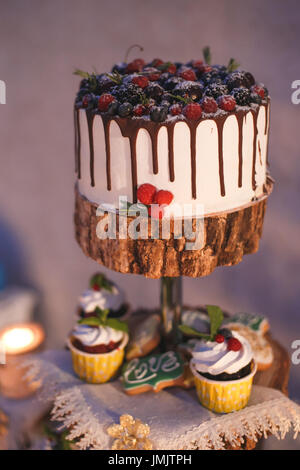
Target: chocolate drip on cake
(90, 121)
(77, 143)
(130, 127)
(255, 116)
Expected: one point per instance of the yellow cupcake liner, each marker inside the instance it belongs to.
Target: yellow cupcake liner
(97, 368)
(223, 397)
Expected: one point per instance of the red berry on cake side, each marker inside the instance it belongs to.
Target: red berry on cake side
(188, 74)
(141, 81)
(234, 344)
(104, 101)
(209, 105)
(219, 338)
(139, 110)
(192, 111)
(226, 102)
(163, 197)
(146, 193)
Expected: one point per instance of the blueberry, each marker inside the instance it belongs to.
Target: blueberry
(172, 82)
(225, 332)
(158, 113)
(120, 68)
(125, 109)
(113, 108)
(189, 89)
(255, 98)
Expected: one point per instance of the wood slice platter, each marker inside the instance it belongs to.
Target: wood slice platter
(227, 237)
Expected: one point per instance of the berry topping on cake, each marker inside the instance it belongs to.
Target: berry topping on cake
(141, 81)
(209, 105)
(219, 338)
(158, 90)
(104, 101)
(227, 103)
(225, 332)
(135, 66)
(163, 197)
(188, 74)
(234, 344)
(192, 111)
(146, 193)
(175, 109)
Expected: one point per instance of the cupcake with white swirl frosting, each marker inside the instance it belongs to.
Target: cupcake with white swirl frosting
(222, 364)
(97, 345)
(105, 295)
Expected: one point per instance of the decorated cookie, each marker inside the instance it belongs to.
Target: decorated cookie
(144, 338)
(262, 350)
(153, 372)
(257, 323)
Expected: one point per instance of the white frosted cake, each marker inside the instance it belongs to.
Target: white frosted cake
(172, 134)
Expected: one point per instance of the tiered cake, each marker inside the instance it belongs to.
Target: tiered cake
(194, 132)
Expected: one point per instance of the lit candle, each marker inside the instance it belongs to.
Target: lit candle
(15, 342)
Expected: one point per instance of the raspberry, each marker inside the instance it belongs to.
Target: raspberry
(85, 101)
(139, 110)
(146, 193)
(259, 90)
(156, 62)
(175, 109)
(171, 69)
(152, 73)
(135, 66)
(192, 111)
(104, 101)
(163, 197)
(219, 338)
(156, 211)
(141, 81)
(226, 102)
(197, 64)
(234, 344)
(204, 68)
(188, 74)
(209, 105)
(96, 287)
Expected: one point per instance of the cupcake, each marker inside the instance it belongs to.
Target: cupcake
(97, 345)
(222, 364)
(105, 295)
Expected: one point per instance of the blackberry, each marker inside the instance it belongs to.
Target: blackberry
(158, 113)
(104, 84)
(215, 90)
(154, 90)
(172, 82)
(81, 93)
(125, 109)
(241, 96)
(85, 83)
(186, 89)
(238, 79)
(128, 93)
(255, 98)
(209, 77)
(163, 78)
(249, 79)
(120, 68)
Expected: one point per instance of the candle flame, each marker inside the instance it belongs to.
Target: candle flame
(17, 338)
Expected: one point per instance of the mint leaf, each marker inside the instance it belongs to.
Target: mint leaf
(207, 55)
(232, 65)
(100, 280)
(91, 321)
(102, 315)
(117, 324)
(187, 330)
(216, 319)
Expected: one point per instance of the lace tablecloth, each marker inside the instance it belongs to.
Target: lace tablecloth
(175, 417)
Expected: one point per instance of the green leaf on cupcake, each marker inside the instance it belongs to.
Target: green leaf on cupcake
(100, 318)
(216, 319)
(99, 281)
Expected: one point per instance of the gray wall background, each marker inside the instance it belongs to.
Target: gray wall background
(41, 42)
